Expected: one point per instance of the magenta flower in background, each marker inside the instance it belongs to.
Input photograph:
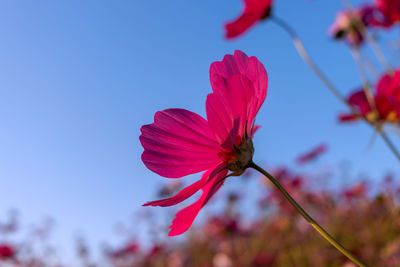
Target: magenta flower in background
(358, 190)
(254, 11)
(386, 100)
(350, 24)
(312, 154)
(390, 10)
(389, 86)
(6, 252)
(180, 142)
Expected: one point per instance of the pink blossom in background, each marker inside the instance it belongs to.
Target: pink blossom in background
(389, 86)
(386, 99)
(390, 10)
(155, 250)
(264, 259)
(6, 252)
(220, 227)
(359, 101)
(131, 248)
(350, 24)
(358, 190)
(180, 142)
(312, 154)
(253, 11)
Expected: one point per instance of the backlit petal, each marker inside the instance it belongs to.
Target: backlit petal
(228, 108)
(187, 191)
(250, 67)
(178, 143)
(184, 218)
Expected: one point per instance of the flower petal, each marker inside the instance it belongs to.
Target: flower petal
(228, 108)
(253, 11)
(359, 100)
(187, 191)
(390, 10)
(348, 117)
(389, 85)
(250, 67)
(178, 143)
(184, 218)
(242, 23)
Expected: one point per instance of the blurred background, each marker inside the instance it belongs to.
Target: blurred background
(79, 78)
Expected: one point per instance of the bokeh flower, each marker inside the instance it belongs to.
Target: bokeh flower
(253, 12)
(312, 154)
(386, 101)
(6, 252)
(180, 142)
(390, 10)
(351, 24)
(129, 249)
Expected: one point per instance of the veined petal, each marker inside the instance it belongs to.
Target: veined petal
(250, 67)
(187, 191)
(228, 108)
(184, 218)
(178, 143)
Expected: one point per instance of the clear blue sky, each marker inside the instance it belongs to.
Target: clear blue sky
(79, 78)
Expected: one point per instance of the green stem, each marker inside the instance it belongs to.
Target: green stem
(308, 218)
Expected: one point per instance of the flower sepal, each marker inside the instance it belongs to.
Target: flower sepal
(242, 158)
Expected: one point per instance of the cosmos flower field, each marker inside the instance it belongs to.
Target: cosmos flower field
(293, 216)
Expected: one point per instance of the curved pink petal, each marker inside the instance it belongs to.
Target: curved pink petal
(250, 67)
(390, 9)
(228, 108)
(359, 100)
(389, 84)
(185, 217)
(242, 23)
(178, 143)
(312, 154)
(188, 191)
(253, 11)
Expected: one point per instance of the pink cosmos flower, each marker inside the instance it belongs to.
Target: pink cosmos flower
(254, 11)
(180, 142)
(350, 24)
(386, 99)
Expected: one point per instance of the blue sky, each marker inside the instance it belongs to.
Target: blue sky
(79, 78)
